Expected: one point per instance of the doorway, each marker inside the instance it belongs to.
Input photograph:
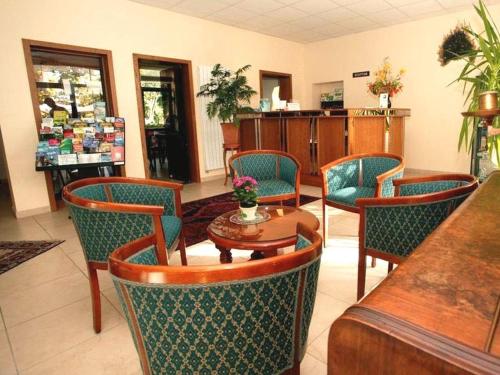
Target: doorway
(270, 80)
(166, 114)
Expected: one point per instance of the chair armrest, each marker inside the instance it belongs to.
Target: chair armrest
(431, 184)
(340, 173)
(385, 187)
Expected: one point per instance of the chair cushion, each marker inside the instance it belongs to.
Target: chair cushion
(269, 188)
(171, 228)
(349, 195)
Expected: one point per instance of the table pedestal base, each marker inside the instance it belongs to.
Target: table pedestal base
(226, 256)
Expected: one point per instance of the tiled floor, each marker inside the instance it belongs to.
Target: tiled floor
(46, 322)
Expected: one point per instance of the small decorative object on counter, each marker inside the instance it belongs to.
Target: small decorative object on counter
(245, 192)
(386, 82)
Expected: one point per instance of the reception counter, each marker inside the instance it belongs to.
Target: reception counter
(317, 137)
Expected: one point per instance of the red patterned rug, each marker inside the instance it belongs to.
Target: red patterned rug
(197, 215)
(13, 253)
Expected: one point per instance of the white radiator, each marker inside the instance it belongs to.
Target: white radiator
(211, 130)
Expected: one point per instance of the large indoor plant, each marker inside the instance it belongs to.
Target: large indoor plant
(480, 53)
(231, 95)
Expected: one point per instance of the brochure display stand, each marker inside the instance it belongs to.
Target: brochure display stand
(73, 144)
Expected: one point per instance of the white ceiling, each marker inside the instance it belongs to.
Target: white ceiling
(308, 21)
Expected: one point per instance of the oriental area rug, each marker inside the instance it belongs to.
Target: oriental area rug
(13, 253)
(197, 215)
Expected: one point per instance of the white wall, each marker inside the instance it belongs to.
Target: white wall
(125, 28)
(432, 131)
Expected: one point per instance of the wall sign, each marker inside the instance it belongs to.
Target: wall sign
(366, 73)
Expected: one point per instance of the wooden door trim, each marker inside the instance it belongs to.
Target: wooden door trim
(108, 83)
(271, 74)
(194, 165)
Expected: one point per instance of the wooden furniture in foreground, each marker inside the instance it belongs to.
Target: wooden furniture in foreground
(391, 228)
(111, 211)
(246, 318)
(438, 312)
(264, 238)
(318, 137)
(276, 172)
(358, 176)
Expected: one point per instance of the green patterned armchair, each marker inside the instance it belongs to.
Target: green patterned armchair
(358, 176)
(277, 173)
(244, 318)
(111, 211)
(391, 228)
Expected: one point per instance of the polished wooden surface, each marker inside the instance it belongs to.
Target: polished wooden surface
(317, 137)
(270, 134)
(366, 135)
(299, 141)
(438, 311)
(278, 232)
(331, 140)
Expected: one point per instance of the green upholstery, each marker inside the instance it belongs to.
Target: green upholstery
(275, 173)
(102, 231)
(144, 194)
(348, 195)
(429, 187)
(343, 175)
(357, 178)
(302, 242)
(268, 188)
(239, 326)
(375, 166)
(398, 229)
(172, 227)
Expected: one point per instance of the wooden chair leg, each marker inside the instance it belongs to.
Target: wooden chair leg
(361, 273)
(297, 200)
(96, 297)
(325, 224)
(225, 166)
(389, 267)
(182, 249)
(374, 262)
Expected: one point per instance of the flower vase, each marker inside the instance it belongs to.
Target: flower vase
(248, 213)
(389, 104)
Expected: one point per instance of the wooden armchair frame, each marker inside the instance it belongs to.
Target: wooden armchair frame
(155, 211)
(362, 203)
(274, 198)
(378, 188)
(202, 275)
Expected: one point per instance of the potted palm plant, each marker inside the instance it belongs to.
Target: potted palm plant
(480, 53)
(231, 95)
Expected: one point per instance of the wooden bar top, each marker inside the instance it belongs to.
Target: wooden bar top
(450, 285)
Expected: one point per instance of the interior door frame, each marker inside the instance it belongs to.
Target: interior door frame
(108, 86)
(283, 77)
(194, 165)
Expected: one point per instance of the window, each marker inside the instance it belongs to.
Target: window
(158, 95)
(71, 82)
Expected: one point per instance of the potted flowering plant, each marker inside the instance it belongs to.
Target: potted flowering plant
(245, 192)
(386, 81)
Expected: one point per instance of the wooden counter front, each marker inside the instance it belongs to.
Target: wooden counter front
(438, 312)
(317, 137)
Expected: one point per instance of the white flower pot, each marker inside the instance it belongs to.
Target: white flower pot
(248, 213)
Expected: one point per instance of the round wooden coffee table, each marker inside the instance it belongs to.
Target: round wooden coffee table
(264, 238)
